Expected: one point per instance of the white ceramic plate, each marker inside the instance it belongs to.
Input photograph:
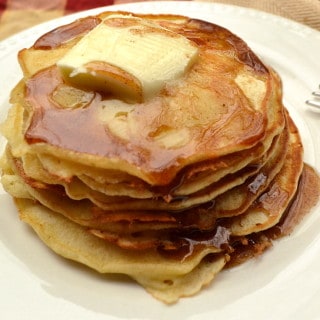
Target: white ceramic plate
(283, 284)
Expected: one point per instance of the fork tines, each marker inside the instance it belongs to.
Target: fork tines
(315, 102)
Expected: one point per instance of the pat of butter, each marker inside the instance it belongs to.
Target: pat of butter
(129, 57)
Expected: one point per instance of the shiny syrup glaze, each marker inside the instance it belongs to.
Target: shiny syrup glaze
(189, 244)
(222, 36)
(240, 249)
(60, 35)
(58, 127)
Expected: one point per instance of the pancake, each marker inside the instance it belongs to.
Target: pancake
(167, 280)
(194, 179)
(51, 196)
(76, 191)
(260, 214)
(261, 120)
(169, 185)
(168, 284)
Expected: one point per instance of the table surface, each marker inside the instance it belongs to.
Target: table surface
(17, 15)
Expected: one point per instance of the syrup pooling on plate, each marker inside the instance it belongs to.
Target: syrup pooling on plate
(306, 197)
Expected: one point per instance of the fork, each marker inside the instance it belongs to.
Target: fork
(314, 102)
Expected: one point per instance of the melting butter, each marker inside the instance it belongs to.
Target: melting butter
(129, 57)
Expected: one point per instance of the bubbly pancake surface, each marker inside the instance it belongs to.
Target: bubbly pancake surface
(169, 190)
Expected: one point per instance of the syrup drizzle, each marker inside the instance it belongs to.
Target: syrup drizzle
(240, 249)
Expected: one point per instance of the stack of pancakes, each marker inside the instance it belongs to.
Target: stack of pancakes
(168, 191)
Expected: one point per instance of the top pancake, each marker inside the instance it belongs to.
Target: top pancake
(227, 102)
